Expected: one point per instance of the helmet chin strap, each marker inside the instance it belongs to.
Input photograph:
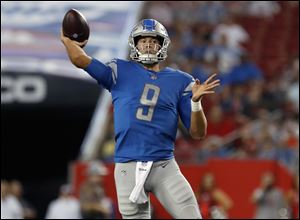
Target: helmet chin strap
(148, 64)
(148, 58)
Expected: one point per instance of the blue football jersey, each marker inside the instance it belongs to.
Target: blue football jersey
(147, 106)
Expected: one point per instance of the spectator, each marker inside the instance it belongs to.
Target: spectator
(196, 50)
(266, 145)
(268, 198)
(203, 69)
(219, 124)
(248, 144)
(226, 57)
(108, 146)
(17, 190)
(293, 198)
(245, 71)
(262, 8)
(212, 147)
(288, 139)
(234, 33)
(214, 202)
(161, 12)
(236, 8)
(211, 12)
(186, 11)
(293, 87)
(11, 208)
(66, 206)
(252, 103)
(273, 96)
(94, 203)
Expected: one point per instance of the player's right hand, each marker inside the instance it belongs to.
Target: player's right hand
(65, 40)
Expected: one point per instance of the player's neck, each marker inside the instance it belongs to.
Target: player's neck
(153, 67)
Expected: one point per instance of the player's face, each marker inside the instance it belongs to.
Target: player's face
(96, 179)
(148, 45)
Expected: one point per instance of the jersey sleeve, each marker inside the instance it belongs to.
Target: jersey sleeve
(185, 105)
(105, 74)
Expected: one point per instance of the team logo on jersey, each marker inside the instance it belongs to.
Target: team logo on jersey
(123, 172)
(164, 165)
(153, 76)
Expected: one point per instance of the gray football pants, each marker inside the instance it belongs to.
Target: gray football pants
(166, 182)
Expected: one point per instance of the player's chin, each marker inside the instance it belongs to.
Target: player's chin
(150, 53)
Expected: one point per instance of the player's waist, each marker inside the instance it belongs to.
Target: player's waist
(123, 159)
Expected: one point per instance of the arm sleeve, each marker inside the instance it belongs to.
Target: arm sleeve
(105, 74)
(185, 106)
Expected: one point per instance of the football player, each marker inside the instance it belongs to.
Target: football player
(148, 102)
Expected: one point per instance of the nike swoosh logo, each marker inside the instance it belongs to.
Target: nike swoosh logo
(164, 165)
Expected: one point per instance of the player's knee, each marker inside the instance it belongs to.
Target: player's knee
(189, 212)
(136, 216)
(131, 210)
(127, 208)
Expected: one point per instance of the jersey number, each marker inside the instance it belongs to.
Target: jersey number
(150, 102)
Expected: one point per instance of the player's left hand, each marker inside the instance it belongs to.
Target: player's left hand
(199, 90)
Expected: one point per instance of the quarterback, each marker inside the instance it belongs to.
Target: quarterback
(148, 102)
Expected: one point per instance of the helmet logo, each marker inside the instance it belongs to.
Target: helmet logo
(148, 25)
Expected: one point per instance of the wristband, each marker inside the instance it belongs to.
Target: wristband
(196, 106)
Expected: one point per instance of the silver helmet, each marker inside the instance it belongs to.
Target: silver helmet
(146, 28)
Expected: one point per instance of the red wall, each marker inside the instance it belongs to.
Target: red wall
(237, 178)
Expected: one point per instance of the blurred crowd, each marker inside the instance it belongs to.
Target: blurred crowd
(271, 202)
(91, 203)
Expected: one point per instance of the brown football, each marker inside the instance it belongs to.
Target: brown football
(75, 26)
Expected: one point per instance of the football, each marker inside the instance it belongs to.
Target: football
(75, 26)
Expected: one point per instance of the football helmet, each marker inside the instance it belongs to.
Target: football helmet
(146, 28)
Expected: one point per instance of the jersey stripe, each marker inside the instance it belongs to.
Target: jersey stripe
(113, 65)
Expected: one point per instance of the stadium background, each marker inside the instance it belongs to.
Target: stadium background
(51, 112)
